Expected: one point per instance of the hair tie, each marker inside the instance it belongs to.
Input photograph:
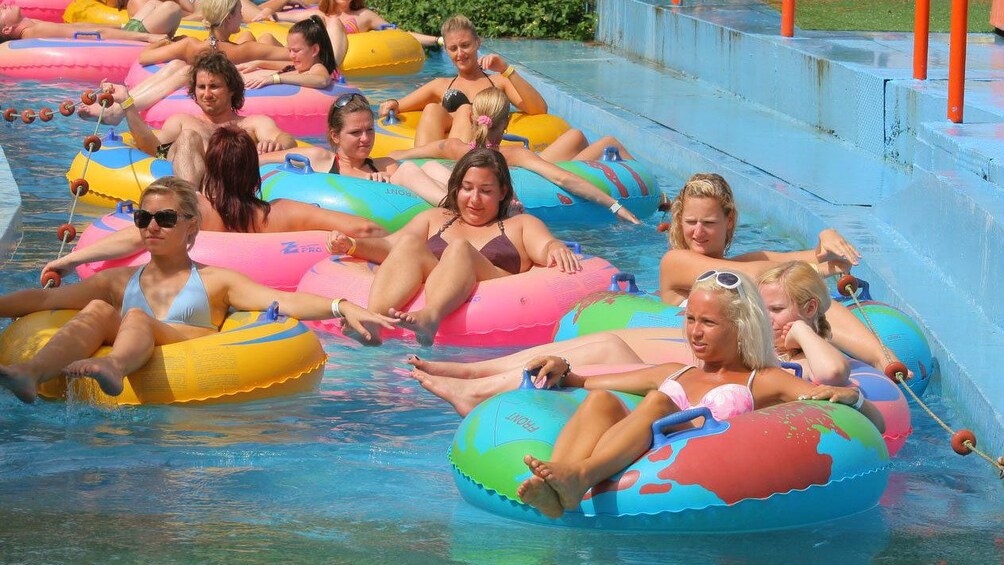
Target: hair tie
(484, 120)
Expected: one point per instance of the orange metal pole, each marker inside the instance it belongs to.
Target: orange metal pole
(921, 27)
(788, 18)
(957, 60)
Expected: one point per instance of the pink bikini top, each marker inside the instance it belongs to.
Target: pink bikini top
(724, 401)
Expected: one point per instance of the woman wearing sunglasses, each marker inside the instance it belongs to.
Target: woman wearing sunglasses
(351, 135)
(449, 249)
(796, 299)
(489, 120)
(170, 299)
(446, 102)
(229, 201)
(730, 336)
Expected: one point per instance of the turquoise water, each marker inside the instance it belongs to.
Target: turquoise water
(357, 471)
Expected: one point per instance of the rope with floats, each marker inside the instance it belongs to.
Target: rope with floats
(45, 114)
(963, 440)
(78, 187)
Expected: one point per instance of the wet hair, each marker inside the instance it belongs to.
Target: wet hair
(232, 182)
(313, 32)
(480, 158)
(493, 103)
(336, 116)
(702, 185)
(458, 23)
(801, 283)
(753, 329)
(327, 6)
(216, 63)
(184, 192)
(215, 11)
(4, 38)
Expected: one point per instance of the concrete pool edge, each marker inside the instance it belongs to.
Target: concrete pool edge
(10, 210)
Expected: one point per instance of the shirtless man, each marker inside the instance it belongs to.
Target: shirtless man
(218, 89)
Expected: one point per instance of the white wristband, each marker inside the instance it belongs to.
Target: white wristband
(335, 310)
(860, 401)
(615, 207)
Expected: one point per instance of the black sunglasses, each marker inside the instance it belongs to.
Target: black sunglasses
(344, 99)
(165, 218)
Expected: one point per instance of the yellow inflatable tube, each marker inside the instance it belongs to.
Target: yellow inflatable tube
(252, 357)
(385, 52)
(539, 129)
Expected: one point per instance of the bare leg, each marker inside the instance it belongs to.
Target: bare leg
(170, 77)
(433, 125)
(462, 128)
(565, 147)
(437, 171)
(131, 349)
(188, 154)
(465, 394)
(617, 447)
(586, 350)
(95, 325)
(446, 288)
(537, 493)
(158, 17)
(339, 40)
(412, 177)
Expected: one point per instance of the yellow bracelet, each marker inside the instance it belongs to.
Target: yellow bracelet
(352, 248)
(276, 79)
(508, 71)
(127, 103)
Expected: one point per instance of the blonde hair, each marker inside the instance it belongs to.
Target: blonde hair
(801, 283)
(702, 185)
(184, 192)
(746, 310)
(215, 11)
(458, 23)
(493, 104)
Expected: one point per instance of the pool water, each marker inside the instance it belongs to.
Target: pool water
(358, 471)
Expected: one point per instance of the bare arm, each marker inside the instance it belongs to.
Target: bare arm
(412, 177)
(73, 296)
(163, 52)
(442, 149)
(270, 137)
(521, 93)
(827, 365)
(639, 381)
(122, 243)
(320, 158)
(774, 386)
(573, 183)
(679, 268)
(416, 100)
(544, 249)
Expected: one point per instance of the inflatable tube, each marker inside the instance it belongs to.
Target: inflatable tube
(785, 466)
(614, 309)
(95, 12)
(45, 10)
(629, 182)
(900, 333)
(539, 129)
(387, 204)
(518, 310)
(276, 260)
(255, 355)
(84, 60)
(117, 172)
(298, 110)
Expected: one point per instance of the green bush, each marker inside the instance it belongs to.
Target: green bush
(542, 19)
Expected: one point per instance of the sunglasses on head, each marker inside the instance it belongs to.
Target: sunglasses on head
(725, 279)
(344, 99)
(165, 218)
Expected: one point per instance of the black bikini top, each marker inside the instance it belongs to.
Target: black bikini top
(453, 98)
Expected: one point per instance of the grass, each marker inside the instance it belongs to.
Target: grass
(881, 15)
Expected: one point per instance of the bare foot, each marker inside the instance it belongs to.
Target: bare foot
(566, 482)
(106, 371)
(537, 493)
(113, 115)
(425, 330)
(442, 368)
(460, 393)
(374, 330)
(22, 384)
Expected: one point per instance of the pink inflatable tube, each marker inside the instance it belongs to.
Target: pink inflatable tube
(277, 260)
(518, 310)
(877, 388)
(45, 10)
(84, 60)
(295, 109)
